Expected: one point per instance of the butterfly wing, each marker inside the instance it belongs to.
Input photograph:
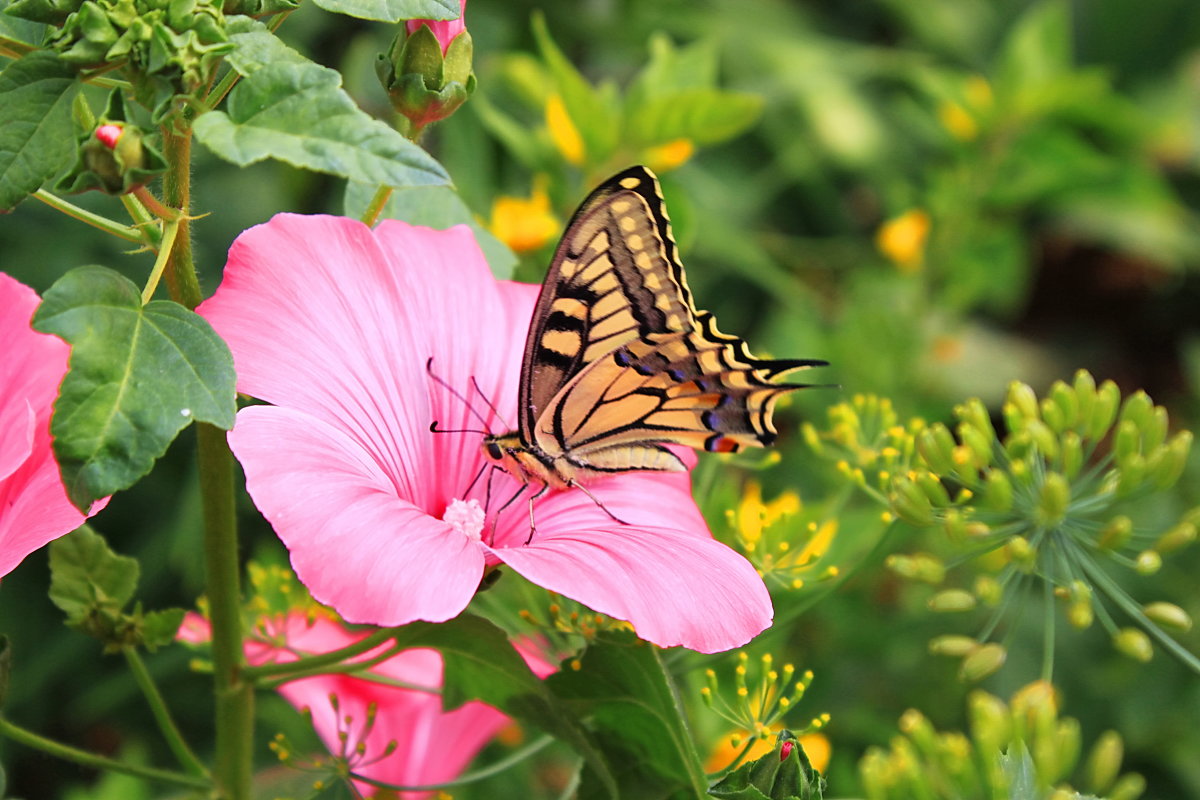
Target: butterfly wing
(614, 278)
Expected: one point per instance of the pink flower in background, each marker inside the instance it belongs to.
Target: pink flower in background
(333, 323)
(34, 508)
(431, 746)
(444, 29)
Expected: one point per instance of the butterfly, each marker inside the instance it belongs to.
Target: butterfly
(619, 363)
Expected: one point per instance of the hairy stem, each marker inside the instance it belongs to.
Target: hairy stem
(158, 706)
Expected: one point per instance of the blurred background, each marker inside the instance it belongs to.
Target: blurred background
(937, 196)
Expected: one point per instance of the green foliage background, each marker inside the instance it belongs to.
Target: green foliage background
(1063, 235)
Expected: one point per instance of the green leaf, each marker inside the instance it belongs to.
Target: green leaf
(158, 628)
(88, 580)
(138, 375)
(1038, 48)
(594, 112)
(638, 720)
(20, 35)
(706, 116)
(671, 69)
(298, 113)
(37, 139)
(392, 10)
(480, 663)
(435, 207)
(254, 47)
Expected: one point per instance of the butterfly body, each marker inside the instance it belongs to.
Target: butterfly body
(618, 362)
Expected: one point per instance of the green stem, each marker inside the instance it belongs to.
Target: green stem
(160, 263)
(375, 208)
(68, 753)
(470, 777)
(234, 695)
(105, 224)
(187, 759)
(311, 663)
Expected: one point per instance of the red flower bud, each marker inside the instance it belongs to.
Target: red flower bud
(109, 135)
(444, 29)
(786, 750)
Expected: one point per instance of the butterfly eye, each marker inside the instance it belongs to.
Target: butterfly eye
(493, 451)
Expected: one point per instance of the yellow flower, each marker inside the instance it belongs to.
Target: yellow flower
(816, 747)
(902, 239)
(753, 515)
(524, 224)
(666, 157)
(958, 121)
(563, 132)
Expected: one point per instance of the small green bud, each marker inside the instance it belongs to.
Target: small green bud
(978, 443)
(1019, 446)
(1080, 612)
(975, 415)
(1104, 410)
(910, 503)
(919, 567)
(1052, 415)
(952, 600)
(1068, 404)
(1131, 475)
(1174, 458)
(1023, 398)
(1103, 763)
(812, 438)
(952, 645)
(1021, 552)
(989, 590)
(1115, 535)
(1062, 753)
(1043, 438)
(1126, 442)
(954, 524)
(933, 489)
(991, 722)
(1085, 398)
(1169, 615)
(1129, 787)
(1133, 643)
(997, 492)
(428, 75)
(983, 662)
(936, 446)
(1053, 500)
(1148, 562)
(1178, 537)
(1138, 408)
(1072, 454)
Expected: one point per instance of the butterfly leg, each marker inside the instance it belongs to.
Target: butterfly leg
(533, 527)
(596, 500)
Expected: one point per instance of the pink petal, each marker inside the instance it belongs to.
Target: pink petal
(355, 543)
(661, 572)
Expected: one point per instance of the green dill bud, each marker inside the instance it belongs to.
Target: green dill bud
(975, 415)
(1174, 457)
(1169, 615)
(1053, 499)
(1133, 643)
(1019, 446)
(1071, 454)
(1138, 409)
(1080, 613)
(933, 489)
(1024, 400)
(989, 590)
(952, 645)
(1131, 475)
(1057, 753)
(919, 567)
(991, 722)
(954, 524)
(1126, 442)
(1103, 763)
(1021, 552)
(952, 600)
(936, 446)
(1043, 438)
(1178, 537)
(910, 503)
(1104, 410)
(812, 438)
(1085, 398)
(1148, 562)
(1130, 787)
(978, 443)
(1052, 415)
(997, 492)
(1068, 404)
(985, 660)
(1115, 535)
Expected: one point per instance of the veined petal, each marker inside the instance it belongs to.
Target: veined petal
(354, 541)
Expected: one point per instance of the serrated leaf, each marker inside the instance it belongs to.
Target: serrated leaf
(138, 375)
(706, 116)
(392, 10)
(480, 663)
(435, 207)
(254, 47)
(298, 113)
(36, 138)
(87, 579)
(159, 627)
(622, 686)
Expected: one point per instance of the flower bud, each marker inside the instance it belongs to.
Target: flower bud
(1126, 442)
(1115, 535)
(1133, 643)
(427, 71)
(991, 722)
(997, 492)
(978, 442)
(1174, 457)
(1169, 615)
(983, 662)
(952, 645)
(1129, 787)
(920, 567)
(1068, 404)
(785, 772)
(1138, 409)
(910, 503)
(1104, 410)
(1080, 612)
(975, 414)
(1177, 538)
(1021, 552)
(936, 446)
(952, 600)
(1131, 474)
(989, 590)
(1053, 499)
(114, 157)
(1103, 763)
(813, 439)
(1148, 562)
(933, 489)
(1053, 415)
(1084, 386)
(1022, 397)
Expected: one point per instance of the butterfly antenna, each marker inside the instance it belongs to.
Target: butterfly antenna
(487, 431)
(475, 383)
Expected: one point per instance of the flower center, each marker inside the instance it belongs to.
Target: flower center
(466, 517)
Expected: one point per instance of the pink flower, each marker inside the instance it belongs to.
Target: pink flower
(34, 508)
(443, 29)
(431, 746)
(333, 324)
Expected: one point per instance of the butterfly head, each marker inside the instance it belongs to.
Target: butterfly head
(520, 460)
